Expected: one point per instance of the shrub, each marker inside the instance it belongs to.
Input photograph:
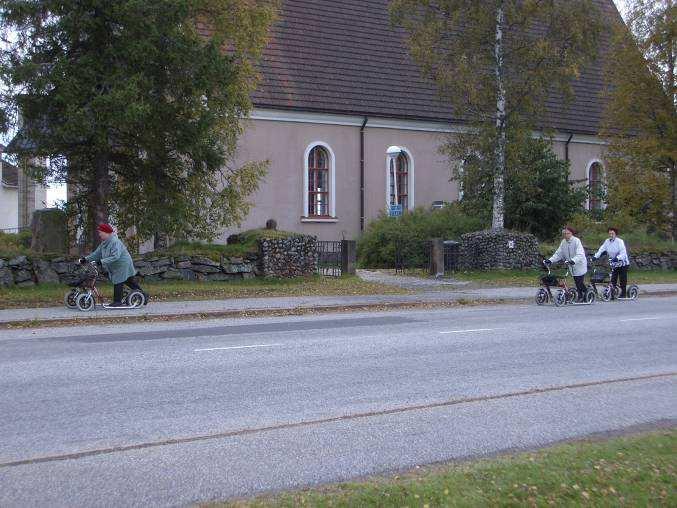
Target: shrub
(538, 197)
(380, 241)
(15, 244)
(248, 243)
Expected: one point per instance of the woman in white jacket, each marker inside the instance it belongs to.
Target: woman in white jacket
(571, 251)
(615, 249)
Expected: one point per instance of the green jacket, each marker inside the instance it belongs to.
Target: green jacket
(115, 259)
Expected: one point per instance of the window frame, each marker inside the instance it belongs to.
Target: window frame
(331, 181)
(410, 178)
(602, 185)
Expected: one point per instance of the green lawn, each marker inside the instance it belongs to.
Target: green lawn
(628, 471)
(52, 294)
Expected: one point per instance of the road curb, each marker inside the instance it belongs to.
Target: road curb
(80, 319)
(250, 313)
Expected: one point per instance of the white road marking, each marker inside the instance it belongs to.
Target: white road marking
(237, 347)
(642, 319)
(468, 331)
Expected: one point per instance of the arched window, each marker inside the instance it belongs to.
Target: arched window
(318, 182)
(398, 179)
(596, 187)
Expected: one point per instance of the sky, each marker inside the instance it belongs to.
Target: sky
(56, 193)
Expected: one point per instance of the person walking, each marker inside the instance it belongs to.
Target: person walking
(615, 249)
(571, 251)
(116, 260)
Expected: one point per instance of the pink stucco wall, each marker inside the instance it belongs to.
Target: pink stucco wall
(280, 196)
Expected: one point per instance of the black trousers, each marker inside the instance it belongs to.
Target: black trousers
(117, 288)
(580, 285)
(620, 273)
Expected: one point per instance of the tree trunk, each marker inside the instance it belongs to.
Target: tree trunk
(98, 197)
(674, 201)
(498, 219)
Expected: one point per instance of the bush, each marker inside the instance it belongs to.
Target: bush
(15, 244)
(538, 197)
(248, 243)
(378, 245)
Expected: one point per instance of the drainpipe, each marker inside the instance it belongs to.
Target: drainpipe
(364, 124)
(566, 148)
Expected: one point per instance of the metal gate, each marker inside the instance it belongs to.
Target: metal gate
(329, 258)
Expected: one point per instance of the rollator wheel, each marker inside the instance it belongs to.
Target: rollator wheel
(560, 298)
(541, 297)
(70, 300)
(85, 302)
(590, 295)
(135, 299)
(633, 292)
(572, 295)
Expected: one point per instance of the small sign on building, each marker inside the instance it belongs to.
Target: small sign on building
(395, 210)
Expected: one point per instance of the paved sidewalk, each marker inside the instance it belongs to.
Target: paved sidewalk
(290, 303)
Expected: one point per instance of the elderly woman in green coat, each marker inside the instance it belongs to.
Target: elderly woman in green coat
(115, 258)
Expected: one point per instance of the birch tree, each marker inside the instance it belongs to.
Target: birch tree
(496, 62)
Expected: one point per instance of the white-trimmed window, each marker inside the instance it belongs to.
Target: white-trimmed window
(319, 182)
(596, 186)
(400, 180)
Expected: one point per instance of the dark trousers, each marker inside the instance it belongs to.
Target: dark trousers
(622, 273)
(580, 285)
(117, 288)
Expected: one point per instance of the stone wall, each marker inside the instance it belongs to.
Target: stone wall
(490, 249)
(648, 260)
(288, 257)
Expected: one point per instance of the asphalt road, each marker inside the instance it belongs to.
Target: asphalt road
(177, 413)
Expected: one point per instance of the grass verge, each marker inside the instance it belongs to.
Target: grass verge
(624, 471)
(49, 295)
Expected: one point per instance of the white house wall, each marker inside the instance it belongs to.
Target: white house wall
(9, 207)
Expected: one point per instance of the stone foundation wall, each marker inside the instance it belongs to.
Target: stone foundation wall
(288, 257)
(490, 249)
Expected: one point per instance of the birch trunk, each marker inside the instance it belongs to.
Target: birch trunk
(498, 219)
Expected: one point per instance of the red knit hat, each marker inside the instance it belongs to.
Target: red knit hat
(105, 228)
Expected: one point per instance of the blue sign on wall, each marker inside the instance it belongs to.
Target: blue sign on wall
(395, 210)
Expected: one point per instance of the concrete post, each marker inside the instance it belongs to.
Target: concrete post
(437, 257)
(348, 257)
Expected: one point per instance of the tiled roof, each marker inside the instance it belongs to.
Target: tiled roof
(10, 175)
(344, 57)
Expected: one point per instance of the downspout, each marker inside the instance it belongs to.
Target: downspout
(566, 148)
(364, 124)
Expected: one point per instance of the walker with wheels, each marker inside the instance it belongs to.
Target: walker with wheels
(564, 295)
(85, 296)
(611, 291)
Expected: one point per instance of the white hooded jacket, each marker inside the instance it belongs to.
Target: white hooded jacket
(572, 250)
(615, 248)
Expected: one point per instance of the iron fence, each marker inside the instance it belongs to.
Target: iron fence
(452, 256)
(14, 231)
(329, 255)
(413, 255)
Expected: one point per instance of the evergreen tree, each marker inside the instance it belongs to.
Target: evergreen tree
(137, 104)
